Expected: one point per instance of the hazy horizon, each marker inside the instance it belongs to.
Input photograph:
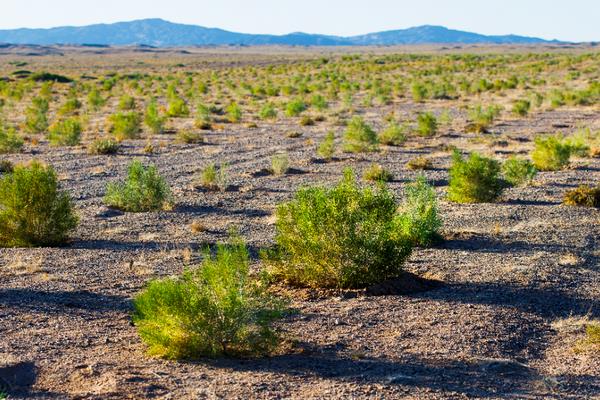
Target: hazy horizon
(575, 21)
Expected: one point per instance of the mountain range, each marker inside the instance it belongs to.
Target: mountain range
(161, 33)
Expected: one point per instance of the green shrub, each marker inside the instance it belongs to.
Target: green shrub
(33, 211)
(584, 196)
(95, 100)
(189, 137)
(65, 133)
(10, 141)
(583, 142)
(103, 146)
(376, 173)
(482, 118)
(125, 125)
(234, 113)
(177, 108)
(280, 164)
(153, 120)
(343, 237)
(213, 178)
(521, 107)
(143, 190)
(426, 124)
(421, 221)
(306, 121)
(393, 135)
(126, 103)
(326, 148)
(295, 108)
(36, 115)
(203, 118)
(319, 102)
(214, 310)
(6, 166)
(517, 171)
(267, 111)
(419, 92)
(474, 180)
(71, 106)
(419, 163)
(551, 153)
(359, 137)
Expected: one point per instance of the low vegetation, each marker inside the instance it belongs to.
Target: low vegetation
(474, 180)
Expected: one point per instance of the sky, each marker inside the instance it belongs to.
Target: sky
(569, 20)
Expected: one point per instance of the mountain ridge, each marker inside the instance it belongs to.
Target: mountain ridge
(161, 33)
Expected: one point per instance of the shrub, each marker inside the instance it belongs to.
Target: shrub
(421, 163)
(584, 142)
(359, 137)
(377, 173)
(426, 124)
(550, 153)
(267, 111)
(234, 113)
(521, 107)
(393, 135)
(125, 125)
(33, 211)
(203, 119)
(36, 115)
(421, 221)
(343, 237)
(143, 190)
(517, 171)
(585, 196)
(419, 92)
(295, 108)
(126, 103)
(482, 118)
(214, 310)
(306, 121)
(10, 142)
(65, 133)
(189, 137)
(280, 164)
(95, 100)
(319, 102)
(153, 120)
(213, 178)
(6, 166)
(177, 108)
(326, 148)
(103, 146)
(71, 106)
(474, 180)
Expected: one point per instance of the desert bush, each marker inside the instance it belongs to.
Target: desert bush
(419, 163)
(66, 132)
(343, 237)
(584, 142)
(177, 108)
(267, 111)
(421, 221)
(551, 153)
(10, 141)
(482, 118)
(153, 120)
(393, 134)
(213, 310)
(585, 196)
(33, 211)
(6, 166)
(518, 171)
(103, 146)
(319, 102)
(280, 164)
(125, 125)
(306, 121)
(143, 190)
(377, 173)
(521, 107)
(474, 180)
(213, 177)
(95, 99)
(203, 118)
(419, 92)
(36, 115)
(126, 103)
(326, 148)
(295, 108)
(70, 107)
(234, 113)
(189, 137)
(359, 137)
(426, 124)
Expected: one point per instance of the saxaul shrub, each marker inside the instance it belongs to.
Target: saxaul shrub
(10, 141)
(177, 108)
(153, 119)
(326, 148)
(126, 103)
(419, 163)
(280, 164)
(213, 177)
(474, 180)
(203, 118)
(421, 221)
(125, 125)
(36, 115)
(66, 132)
(213, 310)
(188, 137)
(359, 137)
(482, 118)
(234, 113)
(319, 102)
(521, 107)
(295, 108)
(103, 146)
(393, 135)
(551, 153)
(377, 173)
(517, 171)
(583, 196)
(268, 111)
(70, 107)
(340, 237)
(95, 99)
(33, 210)
(143, 190)
(426, 124)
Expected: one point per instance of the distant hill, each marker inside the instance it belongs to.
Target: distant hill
(161, 33)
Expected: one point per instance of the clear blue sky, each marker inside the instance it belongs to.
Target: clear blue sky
(574, 20)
